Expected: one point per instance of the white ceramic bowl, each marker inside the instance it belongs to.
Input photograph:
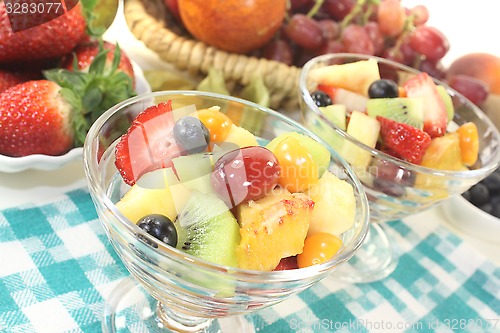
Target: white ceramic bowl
(471, 219)
(46, 162)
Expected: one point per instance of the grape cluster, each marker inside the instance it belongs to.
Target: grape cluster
(383, 28)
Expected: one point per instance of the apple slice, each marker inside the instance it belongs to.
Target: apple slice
(351, 100)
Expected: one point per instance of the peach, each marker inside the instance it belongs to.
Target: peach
(233, 25)
(483, 66)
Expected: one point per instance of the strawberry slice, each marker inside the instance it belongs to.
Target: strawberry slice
(407, 142)
(329, 90)
(435, 116)
(149, 143)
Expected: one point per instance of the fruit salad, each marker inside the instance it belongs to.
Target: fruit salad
(198, 182)
(411, 121)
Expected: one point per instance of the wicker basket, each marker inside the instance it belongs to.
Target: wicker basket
(149, 22)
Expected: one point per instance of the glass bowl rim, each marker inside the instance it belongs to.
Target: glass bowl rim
(467, 174)
(163, 250)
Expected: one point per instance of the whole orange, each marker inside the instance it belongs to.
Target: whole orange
(233, 25)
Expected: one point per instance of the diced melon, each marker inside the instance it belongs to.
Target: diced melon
(366, 130)
(324, 131)
(334, 205)
(355, 76)
(157, 192)
(336, 113)
(194, 171)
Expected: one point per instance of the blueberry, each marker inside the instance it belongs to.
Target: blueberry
(321, 98)
(383, 88)
(160, 227)
(496, 210)
(466, 195)
(191, 134)
(492, 182)
(479, 194)
(487, 207)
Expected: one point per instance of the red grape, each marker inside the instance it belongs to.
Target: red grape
(409, 54)
(295, 5)
(338, 9)
(330, 29)
(420, 14)
(331, 46)
(393, 54)
(304, 31)
(356, 40)
(433, 68)
(245, 174)
(372, 28)
(278, 50)
(474, 89)
(430, 42)
(391, 17)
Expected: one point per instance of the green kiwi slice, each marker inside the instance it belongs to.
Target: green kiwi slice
(208, 230)
(408, 110)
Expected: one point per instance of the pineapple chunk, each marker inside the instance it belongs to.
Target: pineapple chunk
(355, 76)
(334, 205)
(272, 228)
(241, 137)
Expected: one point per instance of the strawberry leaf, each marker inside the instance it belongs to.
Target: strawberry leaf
(79, 123)
(91, 94)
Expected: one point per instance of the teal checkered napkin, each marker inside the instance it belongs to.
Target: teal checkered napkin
(440, 285)
(56, 267)
(57, 270)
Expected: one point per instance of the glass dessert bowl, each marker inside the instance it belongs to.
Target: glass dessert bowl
(406, 168)
(188, 291)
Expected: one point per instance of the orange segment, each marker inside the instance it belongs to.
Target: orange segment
(469, 143)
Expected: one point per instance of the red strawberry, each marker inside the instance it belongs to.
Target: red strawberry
(52, 39)
(9, 78)
(408, 142)
(34, 118)
(52, 116)
(435, 116)
(85, 54)
(149, 143)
